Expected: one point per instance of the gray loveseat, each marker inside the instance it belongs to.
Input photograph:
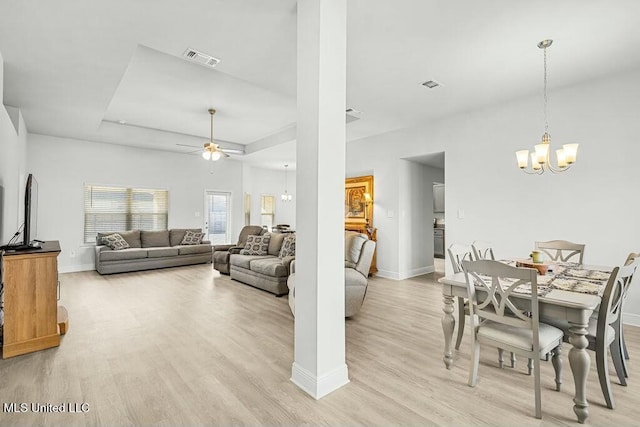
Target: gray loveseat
(149, 250)
(267, 272)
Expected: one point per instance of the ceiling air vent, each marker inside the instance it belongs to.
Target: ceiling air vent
(200, 58)
(431, 84)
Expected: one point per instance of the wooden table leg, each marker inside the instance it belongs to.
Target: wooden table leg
(448, 323)
(580, 362)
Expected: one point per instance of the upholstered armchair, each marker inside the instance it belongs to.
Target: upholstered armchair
(358, 255)
(222, 253)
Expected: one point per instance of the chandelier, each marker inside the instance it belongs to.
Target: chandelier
(540, 160)
(212, 151)
(285, 197)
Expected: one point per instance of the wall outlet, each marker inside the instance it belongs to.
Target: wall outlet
(460, 213)
(72, 254)
(197, 214)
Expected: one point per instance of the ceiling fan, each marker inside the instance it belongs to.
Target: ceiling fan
(213, 151)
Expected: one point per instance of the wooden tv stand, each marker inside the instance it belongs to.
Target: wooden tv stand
(32, 318)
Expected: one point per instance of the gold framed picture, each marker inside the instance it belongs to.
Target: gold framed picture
(358, 206)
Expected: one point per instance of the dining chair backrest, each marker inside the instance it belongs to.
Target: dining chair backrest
(561, 250)
(498, 282)
(631, 262)
(632, 257)
(613, 296)
(482, 250)
(459, 253)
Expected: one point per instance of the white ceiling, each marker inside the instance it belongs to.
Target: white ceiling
(75, 67)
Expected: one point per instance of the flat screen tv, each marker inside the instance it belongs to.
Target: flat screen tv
(30, 230)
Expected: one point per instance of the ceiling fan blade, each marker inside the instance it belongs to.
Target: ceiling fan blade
(190, 146)
(232, 151)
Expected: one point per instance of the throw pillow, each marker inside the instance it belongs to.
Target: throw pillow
(256, 245)
(115, 241)
(288, 246)
(192, 238)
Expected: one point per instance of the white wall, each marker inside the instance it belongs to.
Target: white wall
(13, 149)
(63, 166)
(596, 202)
(268, 182)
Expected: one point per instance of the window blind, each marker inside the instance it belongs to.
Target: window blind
(121, 209)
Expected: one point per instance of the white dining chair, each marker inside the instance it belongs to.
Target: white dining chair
(482, 250)
(603, 330)
(606, 333)
(503, 325)
(620, 328)
(561, 250)
(457, 253)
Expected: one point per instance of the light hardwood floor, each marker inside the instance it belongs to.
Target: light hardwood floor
(182, 346)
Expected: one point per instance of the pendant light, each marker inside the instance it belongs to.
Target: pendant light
(540, 161)
(285, 197)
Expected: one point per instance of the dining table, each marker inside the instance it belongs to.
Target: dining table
(567, 292)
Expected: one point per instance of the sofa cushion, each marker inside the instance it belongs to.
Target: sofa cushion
(132, 237)
(194, 249)
(192, 238)
(125, 254)
(161, 252)
(288, 246)
(244, 261)
(353, 242)
(275, 244)
(115, 241)
(269, 266)
(256, 245)
(177, 234)
(154, 239)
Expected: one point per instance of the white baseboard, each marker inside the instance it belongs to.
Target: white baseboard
(417, 272)
(76, 268)
(394, 275)
(388, 274)
(631, 319)
(318, 387)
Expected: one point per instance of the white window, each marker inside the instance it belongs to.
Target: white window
(121, 209)
(267, 211)
(218, 216)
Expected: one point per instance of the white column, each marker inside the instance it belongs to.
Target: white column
(319, 358)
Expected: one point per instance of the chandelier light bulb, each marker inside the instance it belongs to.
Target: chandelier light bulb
(215, 155)
(206, 155)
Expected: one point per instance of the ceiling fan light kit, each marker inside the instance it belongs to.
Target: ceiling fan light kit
(212, 151)
(540, 161)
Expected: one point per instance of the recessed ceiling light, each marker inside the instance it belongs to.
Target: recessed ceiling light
(122, 122)
(353, 111)
(431, 84)
(200, 58)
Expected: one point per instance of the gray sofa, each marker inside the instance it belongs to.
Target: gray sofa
(150, 250)
(267, 272)
(358, 255)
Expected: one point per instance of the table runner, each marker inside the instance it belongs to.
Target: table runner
(565, 276)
